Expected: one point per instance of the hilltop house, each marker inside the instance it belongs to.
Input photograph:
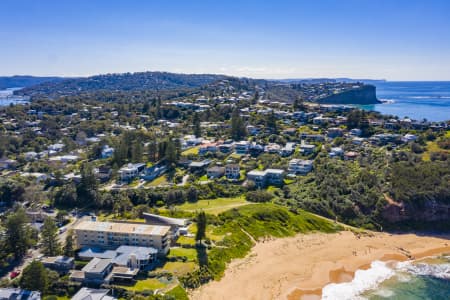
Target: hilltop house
(131, 171)
(266, 177)
(215, 172)
(232, 171)
(300, 166)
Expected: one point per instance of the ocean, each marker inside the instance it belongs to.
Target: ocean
(419, 280)
(417, 100)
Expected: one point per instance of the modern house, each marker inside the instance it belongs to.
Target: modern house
(241, 147)
(215, 172)
(97, 271)
(233, 171)
(124, 256)
(199, 166)
(131, 171)
(267, 177)
(60, 264)
(336, 152)
(300, 166)
(307, 149)
(176, 224)
(288, 149)
(154, 172)
(334, 132)
(92, 294)
(110, 235)
(107, 151)
(226, 148)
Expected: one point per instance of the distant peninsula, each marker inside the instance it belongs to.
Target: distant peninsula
(361, 94)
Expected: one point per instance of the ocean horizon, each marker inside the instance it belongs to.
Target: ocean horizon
(417, 100)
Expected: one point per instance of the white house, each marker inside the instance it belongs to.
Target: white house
(300, 166)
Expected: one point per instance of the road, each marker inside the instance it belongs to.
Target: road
(34, 254)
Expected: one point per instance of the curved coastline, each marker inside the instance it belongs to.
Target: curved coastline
(299, 267)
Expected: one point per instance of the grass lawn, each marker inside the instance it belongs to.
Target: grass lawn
(161, 180)
(184, 240)
(214, 206)
(147, 284)
(433, 147)
(179, 268)
(210, 232)
(191, 254)
(203, 178)
(190, 151)
(178, 293)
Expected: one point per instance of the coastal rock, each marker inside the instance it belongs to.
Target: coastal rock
(365, 94)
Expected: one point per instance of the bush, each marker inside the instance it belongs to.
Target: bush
(258, 196)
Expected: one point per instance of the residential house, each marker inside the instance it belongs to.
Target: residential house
(131, 171)
(97, 271)
(288, 149)
(124, 256)
(232, 171)
(355, 132)
(226, 148)
(7, 164)
(300, 166)
(107, 151)
(266, 177)
(154, 172)
(336, 152)
(241, 147)
(208, 148)
(103, 173)
(351, 155)
(215, 172)
(199, 166)
(60, 264)
(92, 294)
(307, 149)
(175, 224)
(335, 132)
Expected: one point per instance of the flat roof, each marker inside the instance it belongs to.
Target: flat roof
(123, 228)
(97, 265)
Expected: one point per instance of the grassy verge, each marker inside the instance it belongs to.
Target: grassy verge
(214, 206)
(241, 226)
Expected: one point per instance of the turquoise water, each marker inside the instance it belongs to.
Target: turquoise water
(416, 100)
(426, 279)
(419, 280)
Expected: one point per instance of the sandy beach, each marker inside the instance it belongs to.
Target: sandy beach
(299, 267)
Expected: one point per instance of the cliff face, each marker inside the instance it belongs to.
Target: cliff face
(365, 94)
(433, 211)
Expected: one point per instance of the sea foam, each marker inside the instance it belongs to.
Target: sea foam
(364, 280)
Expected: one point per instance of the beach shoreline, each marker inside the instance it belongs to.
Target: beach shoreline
(299, 267)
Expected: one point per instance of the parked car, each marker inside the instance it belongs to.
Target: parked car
(14, 274)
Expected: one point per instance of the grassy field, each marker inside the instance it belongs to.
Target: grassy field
(147, 284)
(433, 147)
(178, 268)
(191, 254)
(190, 151)
(214, 206)
(178, 293)
(161, 180)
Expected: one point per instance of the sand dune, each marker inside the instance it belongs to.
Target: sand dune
(298, 267)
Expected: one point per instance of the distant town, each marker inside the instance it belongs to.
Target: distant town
(114, 192)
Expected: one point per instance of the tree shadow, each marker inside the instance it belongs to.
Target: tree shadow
(202, 255)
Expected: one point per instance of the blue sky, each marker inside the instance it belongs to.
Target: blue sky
(392, 39)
